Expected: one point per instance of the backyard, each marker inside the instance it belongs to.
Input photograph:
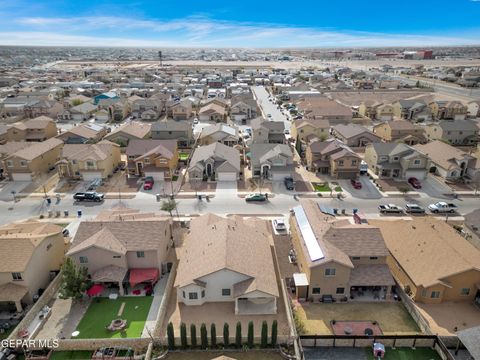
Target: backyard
(392, 317)
(406, 354)
(252, 355)
(103, 310)
(183, 156)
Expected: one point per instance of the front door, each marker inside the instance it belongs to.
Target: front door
(139, 169)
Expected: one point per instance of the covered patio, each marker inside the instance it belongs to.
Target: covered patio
(111, 275)
(13, 293)
(370, 283)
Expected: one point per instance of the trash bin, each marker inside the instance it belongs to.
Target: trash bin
(65, 213)
(171, 197)
(50, 213)
(355, 211)
(57, 213)
(158, 197)
(49, 201)
(79, 213)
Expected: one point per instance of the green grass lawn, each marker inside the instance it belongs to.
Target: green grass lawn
(183, 156)
(406, 354)
(174, 177)
(338, 189)
(321, 187)
(71, 355)
(103, 310)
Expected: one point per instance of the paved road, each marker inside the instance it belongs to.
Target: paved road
(269, 107)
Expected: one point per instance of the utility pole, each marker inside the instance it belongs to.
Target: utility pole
(160, 58)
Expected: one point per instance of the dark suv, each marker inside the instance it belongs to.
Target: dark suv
(289, 183)
(88, 196)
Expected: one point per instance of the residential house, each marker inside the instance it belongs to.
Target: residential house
(83, 134)
(472, 227)
(337, 258)
(457, 132)
(396, 160)
(182, 110)
(243, 107)
(149, 157)
(89, 161)
(271, 161)
(354, 135)
(322, 108)
(213, 112)
(31, 253)
(49, 108)
(449, 162)
(110, 95)
(430, 260)
(217, 161)
(222, 133)
(80, 112)
(33, 161)
(267, 132)
(181, 131)
(306, 131)
(8, 149)
(400, 131)
(473, 109)
(413, 110)
(129, 131)
(38, 129)
(114, 254)
(146, 109)
(228, 260)
(376, 110)
(333, 157)
(448, 110)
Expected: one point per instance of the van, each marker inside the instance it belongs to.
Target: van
(363, 167)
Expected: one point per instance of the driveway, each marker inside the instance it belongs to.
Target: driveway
(226, 189)
(431, 187)
(368, 190)
(6, 188)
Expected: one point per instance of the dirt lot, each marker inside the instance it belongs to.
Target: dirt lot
(392, 317)
(119, 182)
(392, 185)
(252, 185)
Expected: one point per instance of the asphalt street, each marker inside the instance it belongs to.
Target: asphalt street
(269, 107)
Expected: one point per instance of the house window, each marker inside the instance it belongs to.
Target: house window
(183, 294)
(17, 276)
(340, 162)
(424, 293)
(203, 294)
(140, 254)
(147, 161)
(395, 158)
(435, 294)
(355, 257)
(117, 257)
(330, 272)
(225, 292)
(354, 162)
(373, 258)
(416, 162)
(23, 163)
(74, 162)
(316, 291)
(465, 292)
(9, 163)
(83, 260)
(340, 291)
(193, 296)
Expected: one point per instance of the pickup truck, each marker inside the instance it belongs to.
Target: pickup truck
(442, 207)
(390, 209)
(88, 196)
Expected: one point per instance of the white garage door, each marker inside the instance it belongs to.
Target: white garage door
(227, 176)
(91, 175)
(157, 175)
(21, 177)
(419, 174)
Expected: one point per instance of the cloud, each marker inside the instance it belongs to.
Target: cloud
(200, 31)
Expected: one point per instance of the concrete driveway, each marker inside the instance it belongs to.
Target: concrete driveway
(431, 187)
(368, 190)
(6, 188)
(226, 189)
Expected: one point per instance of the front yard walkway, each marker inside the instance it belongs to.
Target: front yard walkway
(392, 317)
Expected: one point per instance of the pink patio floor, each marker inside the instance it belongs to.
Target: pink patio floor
(355, 327)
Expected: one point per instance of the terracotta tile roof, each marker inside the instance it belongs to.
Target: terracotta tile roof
(99, 151)
(443, 154)
(429, 250)
(133, 128)
(140, 147)
(38, 149)
(214, 243)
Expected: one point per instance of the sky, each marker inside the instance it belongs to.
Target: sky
(240, 23)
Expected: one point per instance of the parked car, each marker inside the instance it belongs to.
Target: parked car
(269, 115)
(390, 209)
(88, 196)
(415, 183)
(356, 184)
(148, 183)
(256, 197)
(289, 183)
(414, 209)
(363, 167)
(279, 225)
(442, 207)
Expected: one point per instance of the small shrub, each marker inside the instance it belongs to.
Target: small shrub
(183, 335)
(213, 336)
(238, 335)
(274, 333)
(193, 335)
(203, 336)
(250, 334)
(226, 335)
(170, 336)
(264, 338)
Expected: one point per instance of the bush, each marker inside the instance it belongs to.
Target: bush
(203, 336)
(193, 335)
(213, 336)
(238, 335)
(250, 334)
(274, 333)
(264, 338)
(170, 336)
(226, 335)
(183, 335)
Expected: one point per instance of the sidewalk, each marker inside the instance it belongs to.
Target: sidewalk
(158, 293)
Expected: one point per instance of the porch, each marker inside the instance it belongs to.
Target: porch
(255, 305)
(12, 297)
(371, 283)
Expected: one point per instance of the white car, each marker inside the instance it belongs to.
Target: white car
(279, 225)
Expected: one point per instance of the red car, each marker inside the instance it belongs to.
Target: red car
(148, 183)
(415, 183)
(356, 184)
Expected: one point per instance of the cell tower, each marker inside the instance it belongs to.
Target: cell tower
(160, 57)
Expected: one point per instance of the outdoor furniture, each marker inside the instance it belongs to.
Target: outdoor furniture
(113, 296)
(368, 332)
(117, 325)
(347, 330)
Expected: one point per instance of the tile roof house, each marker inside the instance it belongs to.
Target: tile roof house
(149, 157)
(271, 161)
(267, 132)
(412, 109)
(338, 258)
(354, 135)
(129, 131)
(472, 225)
(227, 135)
(456, 132)
(449, 162)
(396, 160)
(448, 110)
(219, 161)
(83, 133)
(333, 157)
(30, 253)
(181, 131)
(430, 260)
(38, 129)
(308, 130)
(80, 112)
(474, 109)
(212, 112)
(228, 259)
(88, 161)
(243, 107)
(113, 253)
(400, 131)
(182, 110)
(30, 162)
(319, 107)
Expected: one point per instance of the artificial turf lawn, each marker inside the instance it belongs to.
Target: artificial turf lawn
(406, 354)
(322, 187)
(103, 310)
(71, 355)
(183, 156)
